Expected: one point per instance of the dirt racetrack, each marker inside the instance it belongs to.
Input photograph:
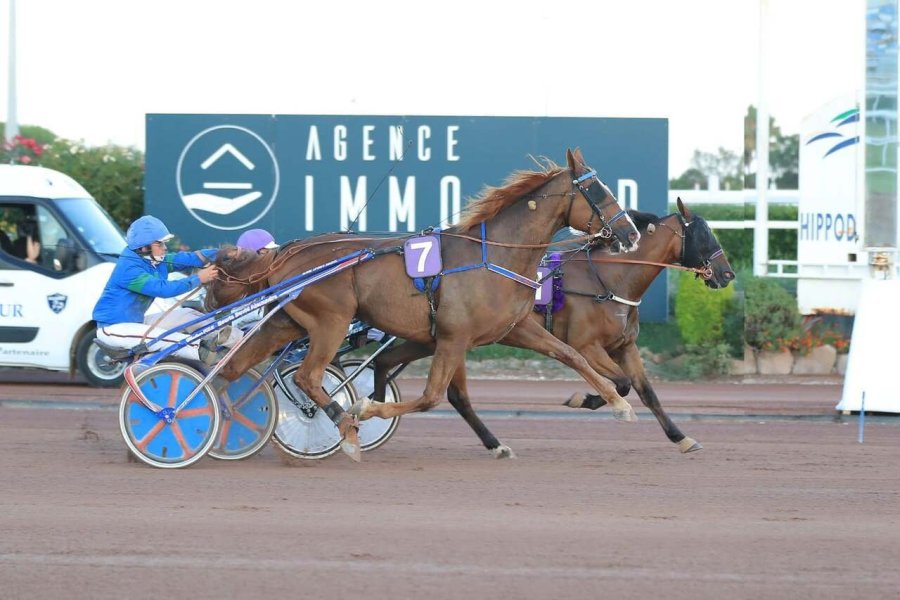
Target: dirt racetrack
(783, 502)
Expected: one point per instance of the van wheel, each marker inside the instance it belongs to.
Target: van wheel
(95, 364)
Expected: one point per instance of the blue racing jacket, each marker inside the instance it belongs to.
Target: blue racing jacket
(135, 282)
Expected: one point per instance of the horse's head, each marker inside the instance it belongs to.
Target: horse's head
(238, 277)
(612, 221)
(701, 250)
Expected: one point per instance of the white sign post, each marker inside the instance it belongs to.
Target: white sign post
(871, 364)
(828, 225)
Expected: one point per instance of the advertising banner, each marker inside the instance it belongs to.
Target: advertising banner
(211, 177)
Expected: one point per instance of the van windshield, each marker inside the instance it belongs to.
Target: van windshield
(94, 224)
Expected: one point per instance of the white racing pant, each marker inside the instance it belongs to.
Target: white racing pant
(129, 335)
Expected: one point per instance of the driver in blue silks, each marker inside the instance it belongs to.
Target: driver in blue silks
(142, 274)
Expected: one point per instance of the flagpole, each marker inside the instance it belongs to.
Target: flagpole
(12, 122)
(761, 225)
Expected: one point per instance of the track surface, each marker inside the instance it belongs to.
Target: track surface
(783, 502)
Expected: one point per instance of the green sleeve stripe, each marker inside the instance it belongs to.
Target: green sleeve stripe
(137, 284)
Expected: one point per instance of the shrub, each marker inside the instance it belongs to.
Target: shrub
(21, 150)
(706, 360)
(772, 319)
(818, 332)
(700, 312)
(114, 175)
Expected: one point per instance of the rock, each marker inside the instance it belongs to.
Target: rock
(747, 366)
(774, 363)
(819, 361)
(840, 365)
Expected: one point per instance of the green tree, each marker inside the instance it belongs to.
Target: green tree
(691, 179)
(784, 154)
(114, 175)
(39, 134)
(724, 163)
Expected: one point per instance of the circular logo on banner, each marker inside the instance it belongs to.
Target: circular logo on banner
(227, 177)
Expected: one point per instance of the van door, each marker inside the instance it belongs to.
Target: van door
(44, 302)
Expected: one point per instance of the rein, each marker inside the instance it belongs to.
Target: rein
(704, 272)
(281, 256)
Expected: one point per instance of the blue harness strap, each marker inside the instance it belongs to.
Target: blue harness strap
(492, 267)
(430, 284)
(422, 285)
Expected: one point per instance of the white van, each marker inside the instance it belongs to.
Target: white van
(46, 303)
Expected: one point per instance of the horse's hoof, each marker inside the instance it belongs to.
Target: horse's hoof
(503, 451)
(350, 445)
(360, 408)
(576, 400)
(689, 445)
(626, 415)
(349, 430)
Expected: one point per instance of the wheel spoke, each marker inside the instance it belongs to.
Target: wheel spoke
(223, 436)
(225, 398)
(173, 387)
(195, 412)
(247, 422)
(142, 443)
(179, 437)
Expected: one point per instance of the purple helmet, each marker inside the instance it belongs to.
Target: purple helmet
(256, 240)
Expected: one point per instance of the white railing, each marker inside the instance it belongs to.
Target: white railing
(749, 224)
(776, 268)
(736, 197)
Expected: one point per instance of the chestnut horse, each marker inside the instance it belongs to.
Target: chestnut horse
(481, 297)
(599, 318)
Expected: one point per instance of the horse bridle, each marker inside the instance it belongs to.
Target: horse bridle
(705, 269)
(596, 210)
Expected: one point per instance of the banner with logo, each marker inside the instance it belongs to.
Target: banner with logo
(211, 177)
(829, 142)
(829, 222)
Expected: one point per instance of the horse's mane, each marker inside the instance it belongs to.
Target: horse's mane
(491, 200)
(642, 219)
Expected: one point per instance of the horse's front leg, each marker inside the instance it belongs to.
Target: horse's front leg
(458, 395)
(633, 365)
(448, 356)
(326, 333)
(529, 334)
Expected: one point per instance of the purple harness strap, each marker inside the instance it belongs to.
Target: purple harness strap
(553, 261)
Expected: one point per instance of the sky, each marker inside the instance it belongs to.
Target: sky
(92, 69)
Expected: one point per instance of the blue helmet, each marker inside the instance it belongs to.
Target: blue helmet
(145, 231)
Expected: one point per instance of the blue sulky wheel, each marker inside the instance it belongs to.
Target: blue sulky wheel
(172, 437)
(247, 423)
(302, 430)
(375, 431)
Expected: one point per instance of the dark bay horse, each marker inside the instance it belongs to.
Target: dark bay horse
(599, 318)
(476, 306)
